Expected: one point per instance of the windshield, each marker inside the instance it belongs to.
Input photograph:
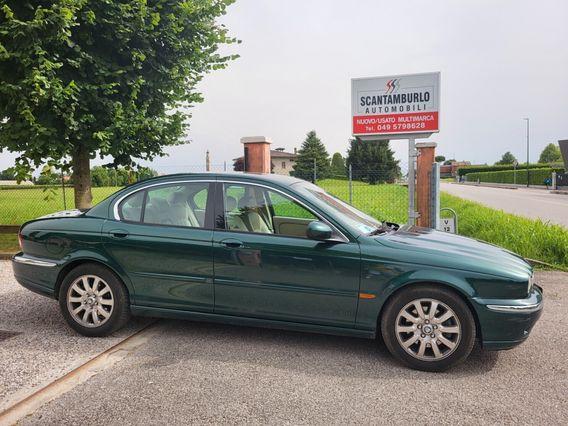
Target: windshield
(346, 213)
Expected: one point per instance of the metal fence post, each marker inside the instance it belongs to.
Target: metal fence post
(435, 196)
(350, 184)
(315, 170)
(63, 189)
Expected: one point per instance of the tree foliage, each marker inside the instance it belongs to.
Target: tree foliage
(550, 154)
(105, 176)
(112, 78)
(372, 161)
(8, 174)
(338, 165)
(312, 148)
(507, 158)
(439, 159)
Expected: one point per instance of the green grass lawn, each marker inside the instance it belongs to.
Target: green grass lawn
(383, 201)
(530, 238)
(9, 243)
(20, 205)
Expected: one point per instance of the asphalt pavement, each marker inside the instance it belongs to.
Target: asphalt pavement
(528, 202)
(197, 373)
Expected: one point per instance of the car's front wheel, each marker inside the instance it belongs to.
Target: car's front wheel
(428, 328)
(93, 300)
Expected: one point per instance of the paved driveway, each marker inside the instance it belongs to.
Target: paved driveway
(532, 203)
(203, 373)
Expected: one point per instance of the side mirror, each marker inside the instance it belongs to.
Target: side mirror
(318, 231)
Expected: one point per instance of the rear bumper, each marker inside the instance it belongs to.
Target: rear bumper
(35, 274)
(507, 323)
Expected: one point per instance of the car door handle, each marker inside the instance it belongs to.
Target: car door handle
(119, 233)
(231, 243)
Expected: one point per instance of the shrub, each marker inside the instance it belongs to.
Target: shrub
(536, 176)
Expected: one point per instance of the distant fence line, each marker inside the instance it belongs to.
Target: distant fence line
(376, 192)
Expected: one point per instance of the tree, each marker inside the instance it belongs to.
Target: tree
(8, 174)
(439, 159)
(110, 78)
(312, 148)
(239, 164)
(372, 161)
(449, 162)
(550, 154)
(507, 158)
(338, 165)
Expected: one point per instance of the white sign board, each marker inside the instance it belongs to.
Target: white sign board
(448, 224)
(395, 105)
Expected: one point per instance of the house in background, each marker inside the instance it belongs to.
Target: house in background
(282, 162)
(451, 170)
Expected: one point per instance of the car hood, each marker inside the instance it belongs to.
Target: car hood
(461, 252)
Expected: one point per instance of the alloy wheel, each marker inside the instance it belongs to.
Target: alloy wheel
(428, 329)
(90, 301)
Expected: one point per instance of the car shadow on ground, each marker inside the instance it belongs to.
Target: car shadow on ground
(315, 354)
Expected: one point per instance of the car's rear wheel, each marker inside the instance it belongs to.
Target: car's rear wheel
(93, 300)
(428, 328)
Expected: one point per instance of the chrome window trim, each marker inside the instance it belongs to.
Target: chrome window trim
(119, 200)
(516, 308)
(34, 262)
(343, 238)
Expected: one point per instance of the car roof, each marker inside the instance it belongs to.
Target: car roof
(257, 177)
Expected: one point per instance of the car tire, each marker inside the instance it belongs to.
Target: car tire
(93, 300)
(426, 343)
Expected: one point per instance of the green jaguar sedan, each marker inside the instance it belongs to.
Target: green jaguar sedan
(274, 251)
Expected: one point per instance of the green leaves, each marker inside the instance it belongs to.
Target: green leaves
(312, 151)
(107, 75)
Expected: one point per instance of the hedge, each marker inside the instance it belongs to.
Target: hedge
(536, 176)
(464, 170)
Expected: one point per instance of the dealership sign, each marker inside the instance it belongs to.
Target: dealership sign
(396, 105)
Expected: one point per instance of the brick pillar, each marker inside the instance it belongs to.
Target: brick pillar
(427, 152)
(257, 154)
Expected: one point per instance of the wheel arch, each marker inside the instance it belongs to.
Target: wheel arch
(452, 287)
(68, 267)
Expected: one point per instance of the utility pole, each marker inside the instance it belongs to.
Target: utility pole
(528, 146)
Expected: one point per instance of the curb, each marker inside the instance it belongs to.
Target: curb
(7, 256)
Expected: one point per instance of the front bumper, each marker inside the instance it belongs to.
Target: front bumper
(505, 323)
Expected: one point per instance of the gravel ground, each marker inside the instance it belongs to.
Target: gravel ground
(46, 348)
(203, 373)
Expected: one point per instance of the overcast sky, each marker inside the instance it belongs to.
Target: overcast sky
(500, 61)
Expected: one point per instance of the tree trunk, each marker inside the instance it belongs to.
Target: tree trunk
(82, 178)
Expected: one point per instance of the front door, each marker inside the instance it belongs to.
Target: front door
(265, 267)
(163, 241)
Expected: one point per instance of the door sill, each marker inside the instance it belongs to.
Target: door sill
(249, 321)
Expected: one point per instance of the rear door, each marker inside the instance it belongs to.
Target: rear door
(163, 240)
(265, 267)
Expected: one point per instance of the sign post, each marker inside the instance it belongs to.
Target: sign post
(397, 107)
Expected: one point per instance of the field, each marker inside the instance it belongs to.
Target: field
(383, 201)
(530, 238)
(20, 205)
(533, 239)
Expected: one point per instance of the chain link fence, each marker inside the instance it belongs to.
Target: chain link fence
(376, 192)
